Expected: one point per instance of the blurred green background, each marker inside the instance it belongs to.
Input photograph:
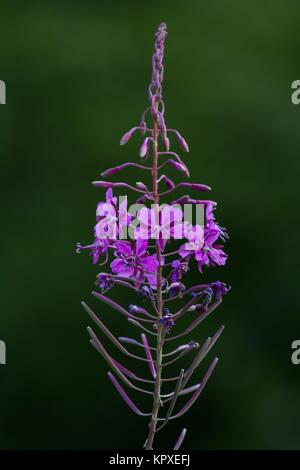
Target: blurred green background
(77, 76)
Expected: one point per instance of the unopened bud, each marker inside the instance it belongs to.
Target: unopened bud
(141, 185)
(166, 143)
(127, 136)
(111, 171)
(183, 144)
(143, 127)
(170, 184)
(144, 148)
(180, 167)
(103, 184)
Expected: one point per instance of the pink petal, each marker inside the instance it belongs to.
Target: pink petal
(152, 279)
(124, 248)
(167, 216)
(117, 265)
(144, 217)
(211, 236)
(184, 250)
(149, 263)
(141, 246)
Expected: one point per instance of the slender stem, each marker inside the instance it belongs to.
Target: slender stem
(159, 301)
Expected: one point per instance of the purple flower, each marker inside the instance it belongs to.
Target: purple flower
(133, 261)
(210, 255)
(161, 225)
(198, 308)
(179, 268)
(220, 289)
(195, 237)
(147, 293)
(104, 282)
(211, 221)
(176, 288)
(110, 219)
(152, 271)
(110, 222)
(206, 298)
(203, 247)
(97, 249)
(167, 321)
(206, 295)
(209, 213)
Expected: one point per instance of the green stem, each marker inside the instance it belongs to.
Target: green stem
(159, 301)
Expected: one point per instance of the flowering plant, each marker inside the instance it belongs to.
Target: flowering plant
(138, 254)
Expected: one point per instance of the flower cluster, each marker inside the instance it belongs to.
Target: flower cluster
(134, 245)
(132, 259)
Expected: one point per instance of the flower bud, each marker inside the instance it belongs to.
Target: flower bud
(103, 184)
(176, 288)
(143, 127)
(141, 185)
(169, 183)
(183, 347)
(166, 321)
(197, 186)
(132, 308)
(162, 125)
(111, 171)
(104, 282)
(127, 136)
(201, 187)
(181, 200)
(180, 167)
(183, 144)
(146, 292)
(144, 148)
(166, 143)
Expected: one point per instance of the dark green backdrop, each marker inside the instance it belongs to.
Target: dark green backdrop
(76, 76)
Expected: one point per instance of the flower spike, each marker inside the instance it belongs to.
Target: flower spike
(148, 245)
